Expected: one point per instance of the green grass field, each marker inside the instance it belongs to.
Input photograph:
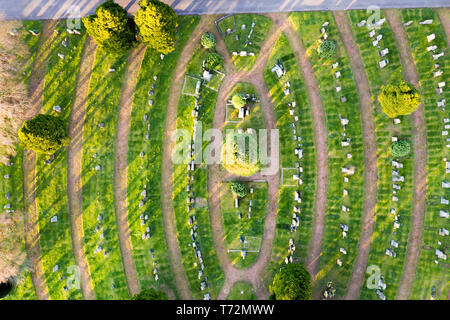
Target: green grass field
(391, 268)
(241, 291)
(191, 264)
(252, 229)
(308, 24)
(98, 199)
(288, 159)
(429, 274)
(147, 170)
(259, 33)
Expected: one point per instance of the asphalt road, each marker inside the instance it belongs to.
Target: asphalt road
(57, 9)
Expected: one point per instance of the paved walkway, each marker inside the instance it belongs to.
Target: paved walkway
(57, 9)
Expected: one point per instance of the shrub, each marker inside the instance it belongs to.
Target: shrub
(150, 294)
(292, 282)
(238, 100)
(400, 99)
(327, 49)
(213, 61)
(44, 134)
(157, 23)
(112, 29)
(400, 149)
(208, 41)
(238, 189)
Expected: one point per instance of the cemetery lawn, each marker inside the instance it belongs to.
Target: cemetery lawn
(147, 170)
(262, 27)
(282, 50)
(191, 264)
(237, 294)
(252, 229)
(51, 179)
(98, 198)
(308, 24)
(391, 268)
(429, 274)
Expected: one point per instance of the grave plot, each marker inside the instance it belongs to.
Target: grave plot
(51, 170)
(431, 57)
(11, 191)
(144, 172)
(244, 35)
(395, 175)
(190, 193)
(100, 232)
(243, 220)
(241, 291)
(295, 126)
(345, 149)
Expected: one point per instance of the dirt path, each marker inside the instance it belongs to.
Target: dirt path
(120, 166)
(420, 161)
(167, 166)
(320, 139)
(370, 156)
(74, 155)
(35, 92)
(444, 16)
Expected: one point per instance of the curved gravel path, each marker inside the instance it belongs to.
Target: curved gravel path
(120, 166)
(74, 154)
(167, 166)
(35, 93)
(370, 156)
(419, 136)
(444, 16)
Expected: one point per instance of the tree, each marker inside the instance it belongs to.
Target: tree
(157, 24)
(327, 49)
(400, 148)
(12, 253)
(44, 134)
(150, 294)
(213, 61)
(111, 27)
(14, 56)
(238, 100)
(208, 41)
(292, 282)
(400, 99)
(238, 189)
(236, 158)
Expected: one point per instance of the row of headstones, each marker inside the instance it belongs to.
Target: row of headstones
(250, 204)
(7, 176)
(376, 40)
(247, 41)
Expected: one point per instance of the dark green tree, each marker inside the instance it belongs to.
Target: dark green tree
(400, 148)
(238, 189)
(44, 134)
(213, 61)
(157, 23)
(400, 99)
(327, 49)
(292, 282)
(150, 294)
(111, 27)
(208, 41)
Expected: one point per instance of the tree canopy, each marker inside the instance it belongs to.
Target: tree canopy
(238, 189)
(150, 294)
(236, 159)
(157, 24)
(213, 61)
(207, 40)
(111, 27)
(238, 100)
(400, 99)
(44, 134)
(292, 282)
(327, 49)
(400, 148)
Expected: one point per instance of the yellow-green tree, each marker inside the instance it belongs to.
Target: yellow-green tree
(111, 27)
(157, 24)
(400, 99)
